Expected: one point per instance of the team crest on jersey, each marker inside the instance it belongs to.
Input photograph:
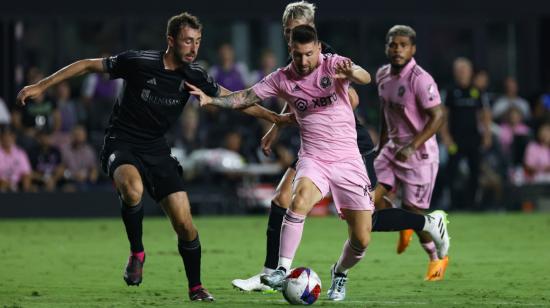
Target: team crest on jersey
(325, 82)
(401, 91)
(300, 104)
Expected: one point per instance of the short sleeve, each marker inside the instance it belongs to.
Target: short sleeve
(269, 86)
(426, 92)
(118, 66)
(203, 81)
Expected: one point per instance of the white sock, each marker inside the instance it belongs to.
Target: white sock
(267, 271)
(285, 263)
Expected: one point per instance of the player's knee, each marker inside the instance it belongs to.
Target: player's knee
(361, 240)
(282, 199)
(299, 204)
(131, 191)
(184, 228)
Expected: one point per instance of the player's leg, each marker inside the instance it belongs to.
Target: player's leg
(122, 167)
(177, 208)
(359, 229)
(167, 188)
(279, 205)
(416, 198)
(306, 194)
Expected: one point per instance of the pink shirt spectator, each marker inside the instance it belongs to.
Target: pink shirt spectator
(321, 106)
(404, 97)
(507, 133)
(14, 164)
(537, 157)
(79, 159)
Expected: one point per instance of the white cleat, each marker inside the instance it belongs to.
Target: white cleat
(251, 284)
(438, 231)
(337, 290)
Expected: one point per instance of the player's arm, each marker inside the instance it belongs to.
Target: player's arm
(348, 70)
(257, 110)
(72, 70)
(436, 118)
(353, 98)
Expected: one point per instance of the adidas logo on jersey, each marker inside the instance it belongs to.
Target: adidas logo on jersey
(152, 81)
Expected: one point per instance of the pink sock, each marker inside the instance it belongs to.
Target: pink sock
(430, 250)
(140, 255)
(351, 255)
(291, 234)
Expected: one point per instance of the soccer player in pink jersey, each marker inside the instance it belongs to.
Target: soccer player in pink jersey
(316, 87)
(408, 150)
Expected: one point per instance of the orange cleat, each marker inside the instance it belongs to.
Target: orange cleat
(405, 237)
(436, 269)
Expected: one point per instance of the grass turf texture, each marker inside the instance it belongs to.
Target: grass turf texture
(495, 260)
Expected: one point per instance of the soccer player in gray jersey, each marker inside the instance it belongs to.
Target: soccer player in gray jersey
(135, 153)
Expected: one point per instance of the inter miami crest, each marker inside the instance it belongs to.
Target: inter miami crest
(325, 82)
(401, 91)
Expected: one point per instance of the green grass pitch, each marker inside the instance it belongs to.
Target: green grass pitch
(495, 260)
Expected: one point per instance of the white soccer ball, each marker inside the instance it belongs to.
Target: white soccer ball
(302, 286)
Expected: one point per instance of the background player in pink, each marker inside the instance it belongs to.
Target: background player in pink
(409, 155)
(316, 87)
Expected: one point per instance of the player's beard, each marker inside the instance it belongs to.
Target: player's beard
(399, 67)
(183, 58)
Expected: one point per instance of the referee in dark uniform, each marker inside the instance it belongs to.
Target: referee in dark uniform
(135, 153)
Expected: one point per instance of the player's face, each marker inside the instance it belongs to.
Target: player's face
(186, 44)
(400, 50)
(291, 24)
(305, 57)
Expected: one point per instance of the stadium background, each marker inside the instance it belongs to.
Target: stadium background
(501, 39)
(499, 257)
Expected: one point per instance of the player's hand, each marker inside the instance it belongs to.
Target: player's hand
(286, 119)
(404, 153)
(28, 92)
(269, 139)
(203, 98)
(344, 69)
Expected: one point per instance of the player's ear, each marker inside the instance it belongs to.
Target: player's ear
(413, 49)
(170, 41)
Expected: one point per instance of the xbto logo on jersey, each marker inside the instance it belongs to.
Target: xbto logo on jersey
(301, 104)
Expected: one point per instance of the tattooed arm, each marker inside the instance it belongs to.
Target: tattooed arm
(236, 100)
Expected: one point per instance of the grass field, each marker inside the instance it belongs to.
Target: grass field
(495, 260)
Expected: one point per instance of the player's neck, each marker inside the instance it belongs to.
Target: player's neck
(170, 62)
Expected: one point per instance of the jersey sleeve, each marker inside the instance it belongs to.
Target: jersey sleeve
(202, 80)
(426, 92)
(118, 66)
(269, 86)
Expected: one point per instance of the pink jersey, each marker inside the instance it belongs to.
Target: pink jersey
(14, 165)
(321, 106)
(404, 98)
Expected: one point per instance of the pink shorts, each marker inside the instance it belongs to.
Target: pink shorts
(347, 181)
(417, 183)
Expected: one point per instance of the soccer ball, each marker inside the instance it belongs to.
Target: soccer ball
(302, 286)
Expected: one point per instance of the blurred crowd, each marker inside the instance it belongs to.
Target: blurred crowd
(495, 140)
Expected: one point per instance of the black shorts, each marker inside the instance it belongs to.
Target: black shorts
(161, 173)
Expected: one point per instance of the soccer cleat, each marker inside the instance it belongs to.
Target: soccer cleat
(438, 230)
(200, 294)
(251, 284)
(405, 237)
(275, 279)
(436, 269)
(133, 274)
(337, 290)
